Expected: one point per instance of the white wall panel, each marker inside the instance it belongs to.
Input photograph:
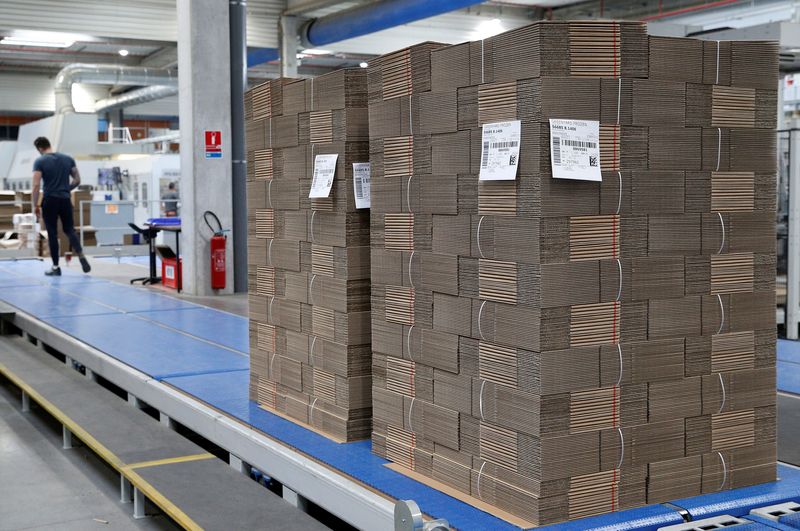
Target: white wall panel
(129, 19)
(162, 107)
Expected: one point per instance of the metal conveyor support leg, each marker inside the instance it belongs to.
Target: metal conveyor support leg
(166, 420)
(138, 504)
(68, 361)
(134, 401)
(90, 374)
(26, 402)
(125, 492)
(238, 465)
(66, 438)
(295, 499)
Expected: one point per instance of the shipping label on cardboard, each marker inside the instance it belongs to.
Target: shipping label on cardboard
(361, 184)
(324, 170)
(500, 151)
(575, 149)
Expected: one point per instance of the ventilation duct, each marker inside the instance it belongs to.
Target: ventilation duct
(135, 97)
(106, 75)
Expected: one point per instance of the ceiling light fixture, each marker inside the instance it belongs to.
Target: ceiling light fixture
(316, 51)
(123, 52)
(42, 39)
(363, 65)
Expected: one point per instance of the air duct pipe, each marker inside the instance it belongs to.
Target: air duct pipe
(374, 17)
(135, 97)
(106, 75)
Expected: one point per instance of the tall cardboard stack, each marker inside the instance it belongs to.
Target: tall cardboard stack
(309, 259)
(550, 348)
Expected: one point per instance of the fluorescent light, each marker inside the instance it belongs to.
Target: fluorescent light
(316, 51)
(363, 65)
(123, 52)
(487, 28)
(14, 41)
(43, 39)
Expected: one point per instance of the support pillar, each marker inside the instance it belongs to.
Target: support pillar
(125, 490)
(138, 504)
(204, 105)
(238, 33)
(289, 43)
(793, 251)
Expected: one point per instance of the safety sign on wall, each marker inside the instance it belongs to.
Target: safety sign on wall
(213, 144)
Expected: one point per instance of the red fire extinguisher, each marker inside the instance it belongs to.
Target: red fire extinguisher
(218, 258)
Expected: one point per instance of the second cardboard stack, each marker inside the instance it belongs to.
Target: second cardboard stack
(555, 348)
(309, 258)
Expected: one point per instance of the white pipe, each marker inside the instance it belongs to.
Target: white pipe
(135, 97)
(106, 75)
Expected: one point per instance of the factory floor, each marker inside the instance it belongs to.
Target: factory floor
(44, 487)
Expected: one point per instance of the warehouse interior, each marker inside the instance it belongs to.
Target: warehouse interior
(400, 264)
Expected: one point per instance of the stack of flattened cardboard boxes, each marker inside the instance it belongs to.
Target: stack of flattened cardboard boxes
(309, 258)
(553, 348)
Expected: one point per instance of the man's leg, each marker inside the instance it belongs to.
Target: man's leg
(65, 213)
(50, 217)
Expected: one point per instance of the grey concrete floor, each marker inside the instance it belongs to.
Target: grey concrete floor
(44, 487)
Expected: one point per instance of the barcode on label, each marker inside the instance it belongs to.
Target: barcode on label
(504, 145)
(359, 188)
(557, 151)
(579, 143)
(485, 156)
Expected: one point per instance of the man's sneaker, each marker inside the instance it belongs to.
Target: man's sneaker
(85, 264)
(54, 272)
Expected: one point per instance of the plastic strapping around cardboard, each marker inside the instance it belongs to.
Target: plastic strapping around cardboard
(621, 447)
(480, 399)
(722, 224)
(269, 251)
(311, 353)
(408, 193)
(619, 379)
(313, 213)
(410, 280)
(724, 471)
(410, 409)
(716, 78)
(408, 342)
(480, 472)
(311, 413)
(480, 318)
(619, 291)
(269, 193)
(310, 288)
(724, 394)
(619, 199)
(478, 237)
(722, 314)
(719, 146)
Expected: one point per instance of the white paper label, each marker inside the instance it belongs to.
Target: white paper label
(500, 153)
(361, 184)
(324, 169)
(575, 149)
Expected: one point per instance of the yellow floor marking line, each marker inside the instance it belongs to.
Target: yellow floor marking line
(170, 460)
(107, 455)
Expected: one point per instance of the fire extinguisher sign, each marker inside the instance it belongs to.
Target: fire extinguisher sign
(213, 144)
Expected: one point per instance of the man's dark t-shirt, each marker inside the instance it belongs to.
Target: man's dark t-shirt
(56, 171)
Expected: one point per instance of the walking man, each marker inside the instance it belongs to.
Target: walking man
(60, 175)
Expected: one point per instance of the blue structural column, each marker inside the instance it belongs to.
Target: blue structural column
(205, 111)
